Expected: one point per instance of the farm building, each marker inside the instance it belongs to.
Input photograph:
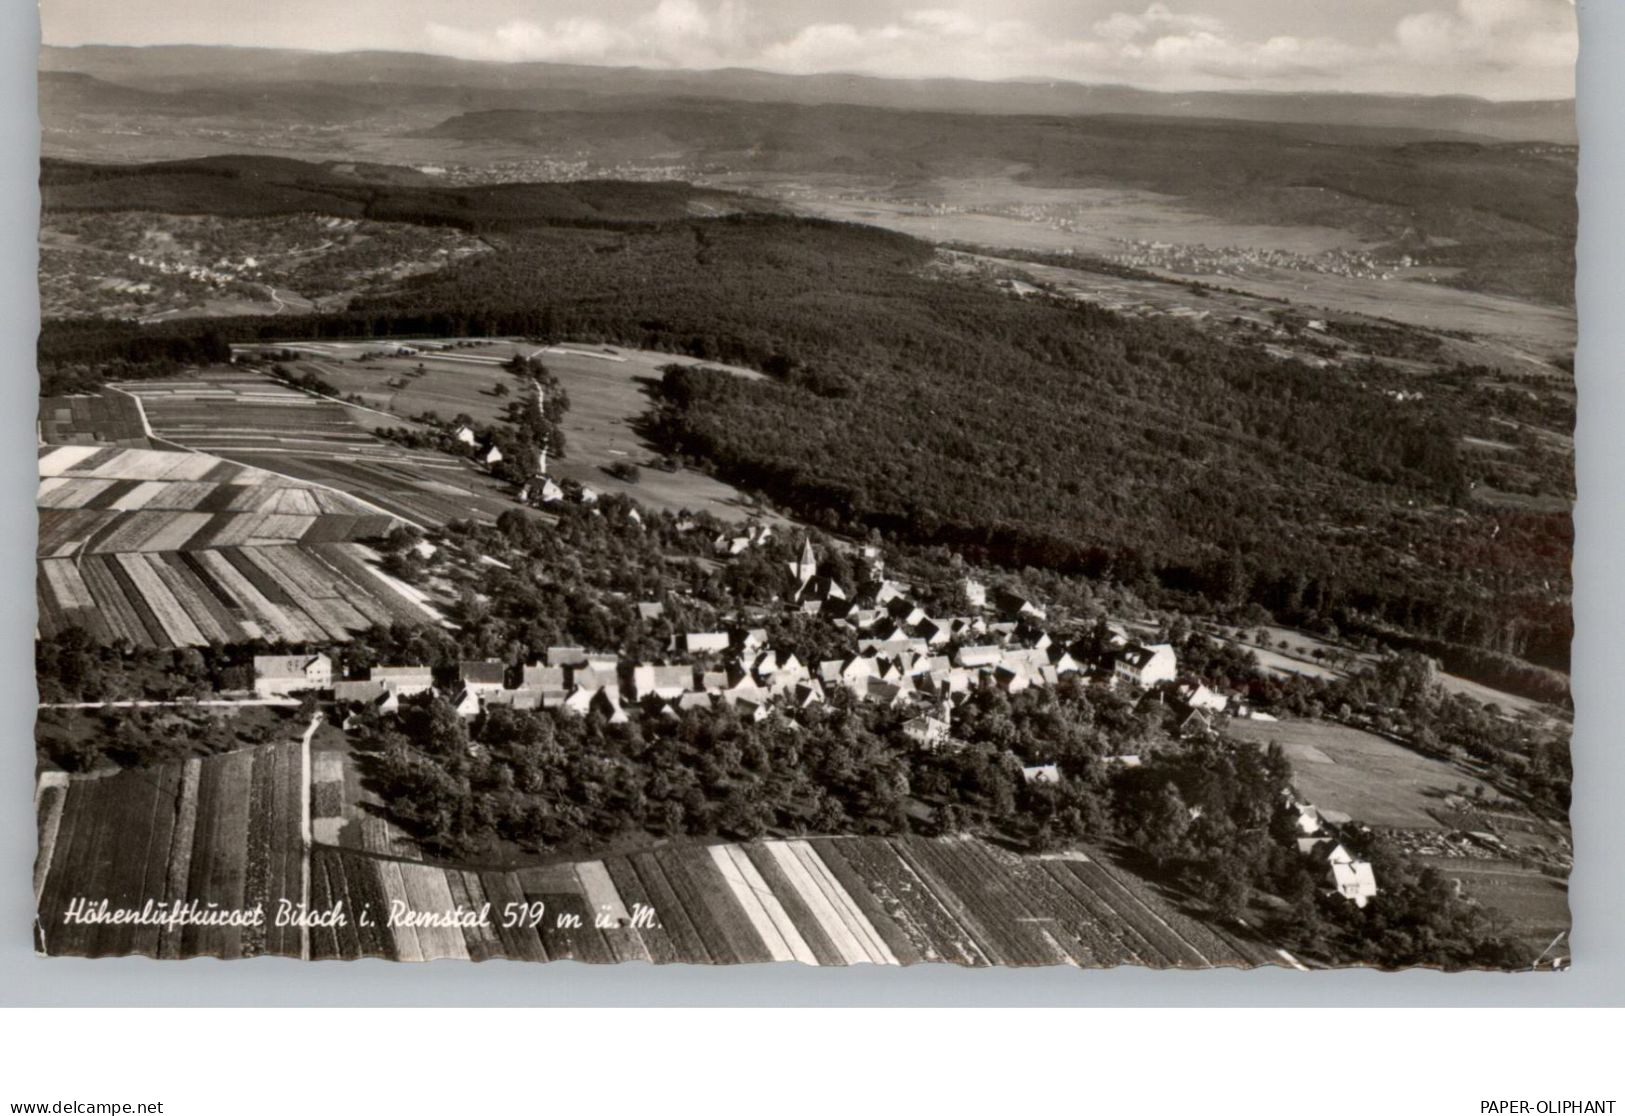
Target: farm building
(281, 675)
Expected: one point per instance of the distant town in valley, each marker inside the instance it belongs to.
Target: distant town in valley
(532, 512)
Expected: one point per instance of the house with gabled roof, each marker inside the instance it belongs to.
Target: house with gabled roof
(466, 704)
(1042, 773)
(404, 680)
(662, 681)
(1354, 880)
(1146, 666)
(536, 676)
(928, 731)
(704, 643)
(483, 675)
(984, 655)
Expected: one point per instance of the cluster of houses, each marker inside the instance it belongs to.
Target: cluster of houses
(901, 657)
(1349, 877)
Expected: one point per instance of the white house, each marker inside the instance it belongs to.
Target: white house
(927, 731)
(1354, 881)
(1043, 773)
(705, 643)
(281, 675)
(1146, 666)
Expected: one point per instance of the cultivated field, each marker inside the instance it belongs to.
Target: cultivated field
(252, 419)
(167, 549)
(222, 830)
(1375, 781)
(112, 419)
(225, 829)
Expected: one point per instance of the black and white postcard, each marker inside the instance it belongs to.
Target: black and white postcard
(718, 481)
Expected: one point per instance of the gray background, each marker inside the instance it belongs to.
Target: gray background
(1598, 975)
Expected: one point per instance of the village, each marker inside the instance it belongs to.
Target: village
(900, 658)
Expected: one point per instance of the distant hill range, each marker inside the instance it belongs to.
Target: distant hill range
(333, 88)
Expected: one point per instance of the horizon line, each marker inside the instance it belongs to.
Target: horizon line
(1032, 80)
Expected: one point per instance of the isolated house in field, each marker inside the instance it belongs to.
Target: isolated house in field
(488, 456)
(1353, 880)
(483, 675)
(1146, 666)
(550, 493)
(1308, 820)
(1042, 773)
(281, 675)
(465, 435)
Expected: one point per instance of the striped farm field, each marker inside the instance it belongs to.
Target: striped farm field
(169, 549)
(221, 830)
(323, 593)
(264, 425)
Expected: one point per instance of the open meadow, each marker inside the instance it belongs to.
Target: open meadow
(608, 388)
(252, 419)
(1374, 780)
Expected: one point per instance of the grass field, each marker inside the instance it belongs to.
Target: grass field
(1536, 904)
(608, 390)
(1374, 780)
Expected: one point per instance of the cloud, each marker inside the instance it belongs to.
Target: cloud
(673, 33)
(1487, 47)
(1500, 33)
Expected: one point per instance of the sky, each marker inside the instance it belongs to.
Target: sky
(1502, 49)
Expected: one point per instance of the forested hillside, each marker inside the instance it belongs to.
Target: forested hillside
(1021, 431)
